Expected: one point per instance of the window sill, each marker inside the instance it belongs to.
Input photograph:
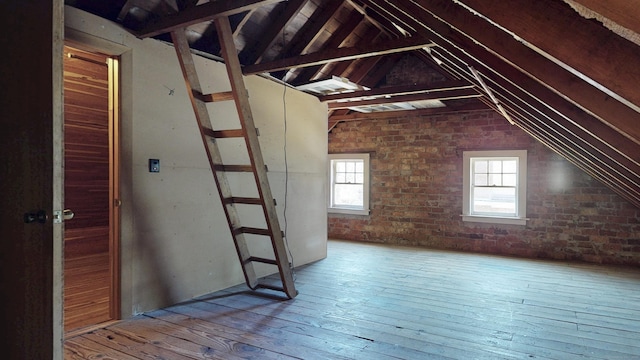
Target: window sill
(363, 212)
(495, 220)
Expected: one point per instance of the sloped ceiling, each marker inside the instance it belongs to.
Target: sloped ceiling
(564, 71)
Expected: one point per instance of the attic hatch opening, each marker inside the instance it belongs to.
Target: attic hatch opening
(341, 85)
(331, 86)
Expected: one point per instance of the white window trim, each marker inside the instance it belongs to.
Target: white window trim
(521, 216)
(345, 210)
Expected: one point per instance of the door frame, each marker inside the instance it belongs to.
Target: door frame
(120, 243)
(113, 134)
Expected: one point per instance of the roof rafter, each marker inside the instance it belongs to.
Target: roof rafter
(622, 12)
(340, 54)
(587, 49)
(312, 29)
(254, 53)
(336, 40)
(511, 51)
(373, 36)
(200, 13)
(608, 140)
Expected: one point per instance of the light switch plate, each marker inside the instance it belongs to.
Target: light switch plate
(154, 165)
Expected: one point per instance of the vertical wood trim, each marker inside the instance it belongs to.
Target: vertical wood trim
(58, 175)
(114, 186)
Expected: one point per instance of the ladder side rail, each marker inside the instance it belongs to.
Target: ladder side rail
(192, 82)
(234, 71)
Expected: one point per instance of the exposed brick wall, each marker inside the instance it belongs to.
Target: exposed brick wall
(411, 70)
(416, 193)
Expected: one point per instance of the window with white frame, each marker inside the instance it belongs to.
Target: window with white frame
(349, 183)
(495, 186)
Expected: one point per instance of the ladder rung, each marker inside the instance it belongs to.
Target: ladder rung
(221, 134)
(244, 200)
(261, 260)
(270, 287)
(251, 230)
(219, 96)
(234, 168)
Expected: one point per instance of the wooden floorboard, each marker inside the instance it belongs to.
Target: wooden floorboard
(369, 301)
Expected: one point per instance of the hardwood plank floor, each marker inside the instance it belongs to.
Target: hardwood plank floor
(368, 301)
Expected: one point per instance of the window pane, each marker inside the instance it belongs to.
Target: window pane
(340, 167)
(495, 166)
(351, 166)
(509, 180)
(349, 195)
(351, 178)
(510, 166)
(480, 179)
(480, 166)
(341, 178)
(495, 180)
(360, 178)
(496, 201)
(360, 166)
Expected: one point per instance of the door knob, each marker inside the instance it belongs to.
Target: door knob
(40, 216)
(67, 214)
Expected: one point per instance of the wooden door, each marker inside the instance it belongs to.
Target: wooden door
(90, 252)
(30, 166)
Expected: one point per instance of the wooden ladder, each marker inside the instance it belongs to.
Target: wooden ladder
(257, 167)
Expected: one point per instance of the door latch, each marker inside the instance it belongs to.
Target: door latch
(60, 215)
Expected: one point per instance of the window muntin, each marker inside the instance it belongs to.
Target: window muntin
(349, 185)
(495, 186)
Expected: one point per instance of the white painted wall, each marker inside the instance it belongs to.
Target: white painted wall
(175, 241)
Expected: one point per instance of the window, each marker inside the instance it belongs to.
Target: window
(349, 183)
(495, 186)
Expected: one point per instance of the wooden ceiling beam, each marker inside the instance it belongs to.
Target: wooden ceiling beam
(399, 90)
(455, 23)
(620, 148)
(360, 68)
(434, 95)
(622, 12)
(373, 36)
(336, 40)
(241, 23)
(372, 20)
(575, 157)
(584, 47)
(568, 149)
(390, 16)
(588, 149)
(559, 112)
(200, 13)
(184, 4)
(358, 116)
(471, 53)
(255, 52)
(340, 54)
(310, 31)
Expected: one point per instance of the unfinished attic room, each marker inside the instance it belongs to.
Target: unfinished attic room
(320, 179)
